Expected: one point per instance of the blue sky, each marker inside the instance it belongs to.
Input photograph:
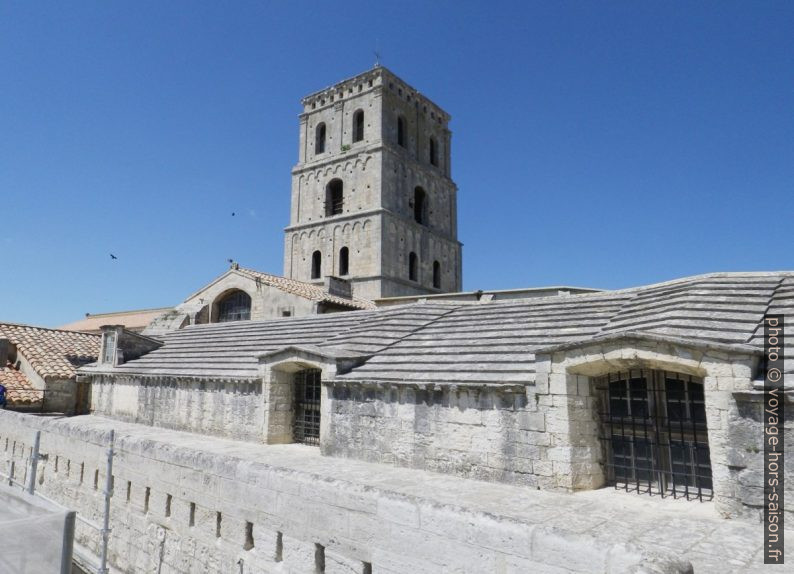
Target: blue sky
(603, 144)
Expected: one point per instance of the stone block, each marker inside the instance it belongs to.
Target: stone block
(533, 421)
(336, 563)
(398, 511)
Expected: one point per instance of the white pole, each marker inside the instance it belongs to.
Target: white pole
(103, 567)
(34, 462)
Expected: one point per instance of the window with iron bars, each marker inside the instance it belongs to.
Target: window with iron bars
(306, 424)
(653, 427)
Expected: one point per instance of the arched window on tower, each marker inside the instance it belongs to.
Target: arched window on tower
(433, 151)
(344, 261)
(401, 131)
(358, 126)
(412, 267)
(436, 274)
(334, 197)
(420, 205)
(236, 306)
(319, 138)
(317, 264)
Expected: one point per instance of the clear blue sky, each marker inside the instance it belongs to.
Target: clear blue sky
(603, 144)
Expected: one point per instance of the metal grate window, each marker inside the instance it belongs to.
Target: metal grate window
(654, 433)
(306, 426)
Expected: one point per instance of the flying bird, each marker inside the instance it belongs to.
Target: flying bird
(233, 214)
(113, 256)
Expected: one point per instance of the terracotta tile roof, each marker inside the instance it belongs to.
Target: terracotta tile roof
(20, 390)
(52, 353)
(132, 320)
(306, 290)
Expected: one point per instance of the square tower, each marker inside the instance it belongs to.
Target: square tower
(372, 196)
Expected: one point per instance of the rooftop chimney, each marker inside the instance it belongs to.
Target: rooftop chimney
(338, 287)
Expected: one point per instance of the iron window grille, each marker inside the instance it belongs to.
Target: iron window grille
(653, 428)
(306, 425)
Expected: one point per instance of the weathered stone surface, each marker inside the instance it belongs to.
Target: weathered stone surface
(303, 508)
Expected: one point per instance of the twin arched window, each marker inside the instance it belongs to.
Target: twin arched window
(358, 126)
(319, 138)
(317, 264)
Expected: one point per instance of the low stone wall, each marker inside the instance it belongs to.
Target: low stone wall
(487, 433)
(745, 455)
(225, 409)
(180, 509)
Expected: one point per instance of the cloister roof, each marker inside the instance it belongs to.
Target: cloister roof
(492, 342)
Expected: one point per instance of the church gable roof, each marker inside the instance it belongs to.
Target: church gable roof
(303, 289)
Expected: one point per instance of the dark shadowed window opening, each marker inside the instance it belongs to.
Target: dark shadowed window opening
(412, 265)
(433, 151)
(334, 197)
(436, 274)
(401, 131)
(317, 264)
(654, 433)
(236, 306)
(319, 139)
(420, 205)
(306, 425)
(344, 261)
(358, 126)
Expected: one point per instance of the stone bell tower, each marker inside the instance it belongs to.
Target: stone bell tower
(372, 197)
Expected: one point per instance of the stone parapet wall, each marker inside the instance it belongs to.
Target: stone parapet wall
(231, 409)
(487, 433)
(183, 509)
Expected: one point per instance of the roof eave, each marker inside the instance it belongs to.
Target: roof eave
(655, 338)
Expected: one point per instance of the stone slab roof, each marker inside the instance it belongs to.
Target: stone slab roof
(305, 290)
(490, 342)
(53, 353)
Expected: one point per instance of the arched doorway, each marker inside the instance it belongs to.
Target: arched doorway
(654, 432)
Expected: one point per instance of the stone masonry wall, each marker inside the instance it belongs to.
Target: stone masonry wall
(226, 409)
(179, 510)
(484, 433)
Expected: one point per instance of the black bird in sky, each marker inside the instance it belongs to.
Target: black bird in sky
(113, 256)
(233, 214)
